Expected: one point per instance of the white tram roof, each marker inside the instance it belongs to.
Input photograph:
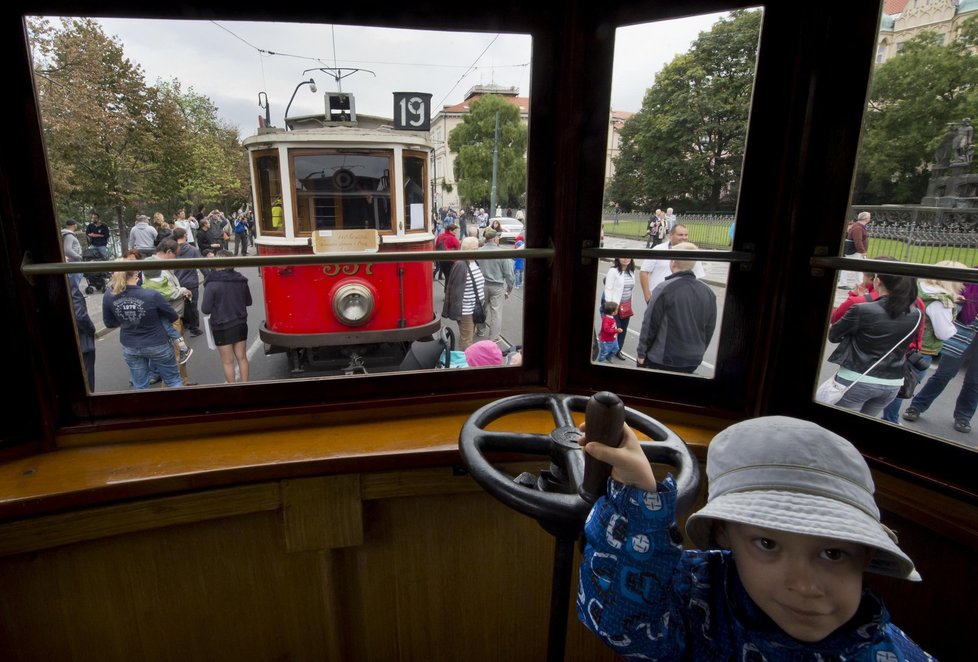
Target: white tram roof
(315, 128)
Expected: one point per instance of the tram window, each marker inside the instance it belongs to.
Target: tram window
(910, 204)
(269, 194)
(342, 191)
(680, 100)
(305, 322)
(414, 177)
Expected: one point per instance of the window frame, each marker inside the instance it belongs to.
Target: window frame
(796, 181)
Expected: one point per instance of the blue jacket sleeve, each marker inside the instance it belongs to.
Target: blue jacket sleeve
(627, 595)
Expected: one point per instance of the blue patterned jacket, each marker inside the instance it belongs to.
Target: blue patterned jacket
(648, 599)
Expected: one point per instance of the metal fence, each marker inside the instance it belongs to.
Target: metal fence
(705, 230)
(925, 235)
(911, 233)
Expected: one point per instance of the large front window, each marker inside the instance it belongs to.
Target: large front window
(342, 191)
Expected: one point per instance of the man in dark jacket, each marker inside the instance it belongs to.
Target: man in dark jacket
(680, 321)
(190, 279)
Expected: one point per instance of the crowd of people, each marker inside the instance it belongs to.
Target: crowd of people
(891, 330)
(155, 309)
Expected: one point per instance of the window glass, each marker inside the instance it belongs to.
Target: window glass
(414, 195)
(681, 95)
(913, 202)
(344, 191)
(133, 128)
(268, 192)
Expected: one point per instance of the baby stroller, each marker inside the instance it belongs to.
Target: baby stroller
(428, 354)
(97, 280)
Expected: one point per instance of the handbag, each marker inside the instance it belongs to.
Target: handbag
(479, 311)
(849, 248)
(910, 381)
(830, 391)
(625, 309)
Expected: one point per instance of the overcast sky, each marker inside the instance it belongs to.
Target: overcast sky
(231, 62)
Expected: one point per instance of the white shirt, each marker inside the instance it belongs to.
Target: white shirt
(659, 270)
(187, 224)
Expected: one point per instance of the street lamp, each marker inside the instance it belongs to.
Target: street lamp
(312, 86)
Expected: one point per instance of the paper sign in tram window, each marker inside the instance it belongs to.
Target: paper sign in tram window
(417, 216)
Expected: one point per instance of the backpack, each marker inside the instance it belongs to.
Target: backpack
(239, 226)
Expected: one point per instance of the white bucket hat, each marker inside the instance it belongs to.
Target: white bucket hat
(791, 475)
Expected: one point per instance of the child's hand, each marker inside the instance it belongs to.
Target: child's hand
(628, 463)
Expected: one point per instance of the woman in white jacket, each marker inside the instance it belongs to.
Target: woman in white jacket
(619, 283)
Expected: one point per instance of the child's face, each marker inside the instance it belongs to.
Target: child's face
(809, 586)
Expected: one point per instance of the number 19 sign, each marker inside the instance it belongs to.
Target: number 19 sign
(412, 111)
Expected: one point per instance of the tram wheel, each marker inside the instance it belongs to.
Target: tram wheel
(553, 496)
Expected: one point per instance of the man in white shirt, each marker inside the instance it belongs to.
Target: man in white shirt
(655, 271)
(180, 220)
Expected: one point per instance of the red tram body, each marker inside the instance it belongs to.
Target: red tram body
(352, 185)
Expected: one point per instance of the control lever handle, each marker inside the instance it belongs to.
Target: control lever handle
(603, 418)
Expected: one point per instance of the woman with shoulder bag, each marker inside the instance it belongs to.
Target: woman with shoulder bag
(873, 340)
(618, 286)
(939, 300)
(464, 290)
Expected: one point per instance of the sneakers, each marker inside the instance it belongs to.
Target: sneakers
(620, 356)
(195, 332)
(185, 355)
(961, 425)
(155, 379)
(912, 414)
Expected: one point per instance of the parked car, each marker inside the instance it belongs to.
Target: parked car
(511, 228)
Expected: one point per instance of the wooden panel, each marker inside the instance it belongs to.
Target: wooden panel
(53, 530)
(217, 590)
(322, 513)
(453, 578)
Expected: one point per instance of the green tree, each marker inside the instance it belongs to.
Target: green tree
(473, 141)
(686, 144)
(94, 105)
(913, 96)
(197, 155)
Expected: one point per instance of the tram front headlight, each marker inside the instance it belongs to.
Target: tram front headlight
(353, 304)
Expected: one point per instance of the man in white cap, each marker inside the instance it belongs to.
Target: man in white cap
(791, 509)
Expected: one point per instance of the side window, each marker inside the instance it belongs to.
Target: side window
(414, 179)
(681, 97)
(912, 203)
(268, 181)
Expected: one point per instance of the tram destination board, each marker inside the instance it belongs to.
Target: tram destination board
(412, 111)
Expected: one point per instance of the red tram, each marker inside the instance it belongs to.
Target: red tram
(338, 183)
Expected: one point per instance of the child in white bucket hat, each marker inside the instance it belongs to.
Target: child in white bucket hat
(791, 509)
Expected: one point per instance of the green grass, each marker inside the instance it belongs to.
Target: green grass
(715, 236)
(966, 255)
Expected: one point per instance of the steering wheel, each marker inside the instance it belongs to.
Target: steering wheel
(555, 496)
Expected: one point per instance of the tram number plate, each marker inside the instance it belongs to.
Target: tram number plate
(412, 111)
(348, 269)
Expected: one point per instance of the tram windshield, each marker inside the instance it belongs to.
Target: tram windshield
(342, 191)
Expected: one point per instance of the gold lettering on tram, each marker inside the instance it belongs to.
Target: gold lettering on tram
(348, 269)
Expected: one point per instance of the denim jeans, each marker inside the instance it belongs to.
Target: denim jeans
(156, 359)
(967, 402)
(622, 323)
(866, 398)
(892, 411)
(608, 349)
